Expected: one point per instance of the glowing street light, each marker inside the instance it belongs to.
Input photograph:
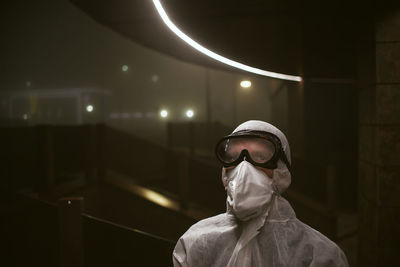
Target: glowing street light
(164, 113)
(89, 108)
(125, 68)
(245, 84)
(189, 113)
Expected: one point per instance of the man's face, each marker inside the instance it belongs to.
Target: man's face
(260, 150)
(253, 146)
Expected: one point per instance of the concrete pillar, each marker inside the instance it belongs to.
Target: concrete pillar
(379, 141)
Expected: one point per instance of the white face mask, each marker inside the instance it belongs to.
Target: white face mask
(249, 191)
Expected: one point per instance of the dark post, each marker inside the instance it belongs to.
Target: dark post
(183, 178)
(101, 151)
(90, 151)
(71, 232)
(192, 144)
(46, 179)
(209, 124)
(330, 186)
(169, 135)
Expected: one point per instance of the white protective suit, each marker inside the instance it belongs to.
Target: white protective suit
(259, 227)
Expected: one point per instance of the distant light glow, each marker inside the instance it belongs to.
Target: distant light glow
(125, 68)
(214, 55)
(156, 198)
(125, 115)
(115, 115)
(137, 115)
(189, 113)
(155, 78)
(151, 114)
(164, 113)
(245, 84)
(28, 84)
(25, 116)
(89, 108)
(153, 196)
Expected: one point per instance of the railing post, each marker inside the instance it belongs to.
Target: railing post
(71, 232)
(330, 185)
(46, 173)
(183, 179)
(169, 135)
(192, 143)
(101, 151)
(90, 153)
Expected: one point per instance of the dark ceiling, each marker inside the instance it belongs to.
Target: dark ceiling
(268, 34)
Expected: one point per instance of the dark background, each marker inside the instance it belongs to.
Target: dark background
(82, 86)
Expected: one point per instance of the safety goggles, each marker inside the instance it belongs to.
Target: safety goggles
(260, 148)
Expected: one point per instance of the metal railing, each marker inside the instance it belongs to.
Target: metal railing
(40, 233)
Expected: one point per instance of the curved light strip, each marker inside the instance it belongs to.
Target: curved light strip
(216, 56)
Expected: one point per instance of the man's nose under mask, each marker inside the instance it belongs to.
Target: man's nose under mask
(249, 190)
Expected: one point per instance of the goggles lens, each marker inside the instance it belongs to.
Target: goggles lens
(261, 150)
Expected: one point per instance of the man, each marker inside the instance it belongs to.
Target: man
(259, 227)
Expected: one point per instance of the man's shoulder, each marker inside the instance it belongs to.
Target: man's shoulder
(221, 223)
(319, 241)
(219, 220)
(201, 244)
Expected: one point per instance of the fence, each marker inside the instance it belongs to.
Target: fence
(36, 233)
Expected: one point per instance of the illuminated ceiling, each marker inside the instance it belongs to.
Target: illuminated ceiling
(268, 34)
